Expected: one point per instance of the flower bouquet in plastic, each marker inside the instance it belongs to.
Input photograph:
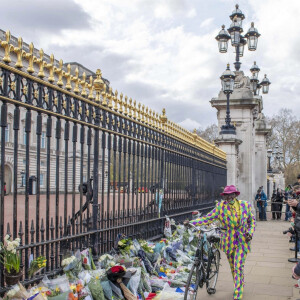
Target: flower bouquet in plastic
(106, 261)
(37, 265)
(87, 259)
(19, 292)
(72, 265)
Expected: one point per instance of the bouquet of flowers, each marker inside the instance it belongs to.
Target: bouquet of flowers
(124, 245)
(9, 256)
(106, 261)
(37, 265)
(72, 265)
(87, 259)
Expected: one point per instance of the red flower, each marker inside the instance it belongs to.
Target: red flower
(117, 269)
(85, 261)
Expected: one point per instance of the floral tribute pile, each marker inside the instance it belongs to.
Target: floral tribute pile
(134, 269)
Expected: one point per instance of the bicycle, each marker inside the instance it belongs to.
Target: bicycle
(205, 269)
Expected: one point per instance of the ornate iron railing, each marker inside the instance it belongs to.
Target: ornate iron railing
(59, 131)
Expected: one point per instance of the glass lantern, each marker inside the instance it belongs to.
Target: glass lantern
(227, 80)
(222, 39)
(255, 70)
(237, 13)
(265, 85)
(252, 36)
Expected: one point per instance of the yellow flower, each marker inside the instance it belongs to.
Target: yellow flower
(97, 277)
(161, 269)
(57, 289)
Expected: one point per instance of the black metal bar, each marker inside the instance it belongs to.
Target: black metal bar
(57, 178)
(48, 135)
(66, 138)
(96, 181)
(16, 147)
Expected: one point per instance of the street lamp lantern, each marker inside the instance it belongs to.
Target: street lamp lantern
(238, 15)
(269, 152)
(255, 70)
(227, 80)
(254, 84)
(265, 85)
(252, 36)
(222, 39)
(269, 155)
(242, 44)
(235, 31)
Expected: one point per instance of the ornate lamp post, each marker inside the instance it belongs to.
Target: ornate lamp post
(227, 80)
(238, 41)
(269, 155)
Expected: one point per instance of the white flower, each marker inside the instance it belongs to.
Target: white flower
(68, 260)
(15, 243)
(13, 291)
(6, 238)
(112, 263)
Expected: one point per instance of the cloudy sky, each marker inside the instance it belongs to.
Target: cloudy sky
(163, 53)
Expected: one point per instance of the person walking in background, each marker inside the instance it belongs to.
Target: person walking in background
(288, 213)
(236, 216)
(4, 188)
(279, 201)
(273, 205)
(261, 200)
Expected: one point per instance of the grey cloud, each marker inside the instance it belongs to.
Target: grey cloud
(33, 16)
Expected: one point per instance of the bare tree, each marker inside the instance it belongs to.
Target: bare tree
(210, 133)
(286, 135)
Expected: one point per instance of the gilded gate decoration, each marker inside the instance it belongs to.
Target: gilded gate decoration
(119, 152)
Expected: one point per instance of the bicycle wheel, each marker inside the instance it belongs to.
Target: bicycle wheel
(212, 271)
(193, 282)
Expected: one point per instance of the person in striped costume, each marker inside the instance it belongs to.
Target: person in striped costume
(237, 217)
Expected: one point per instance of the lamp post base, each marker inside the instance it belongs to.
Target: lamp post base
(228, 129)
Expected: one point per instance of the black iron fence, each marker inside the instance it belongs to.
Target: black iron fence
(80, 165)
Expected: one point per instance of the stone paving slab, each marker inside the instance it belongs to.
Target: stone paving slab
(267, 271)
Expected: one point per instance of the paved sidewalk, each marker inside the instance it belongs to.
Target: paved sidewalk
(267, 271)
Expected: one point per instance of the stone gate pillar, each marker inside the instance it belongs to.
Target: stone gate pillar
(248, 170)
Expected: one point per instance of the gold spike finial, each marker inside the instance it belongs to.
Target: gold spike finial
(40, 63)
(76, 81)
(7, 47)
(59, 72)
(110, 98)
(125, 105)
(50, 68)
(29, 56)
(19, 52)
(116, 100)
(163, 117)
(91, 89)
(67, 75)
(121, 103)
(83, 85)
(134, 109)
(104, 95)
(139, 112)
(130, 108)
(98, 85)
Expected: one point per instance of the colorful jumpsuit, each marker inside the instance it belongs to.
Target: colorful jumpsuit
(233, 241)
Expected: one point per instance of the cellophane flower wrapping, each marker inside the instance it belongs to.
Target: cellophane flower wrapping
(87, 259)
(134, 281)
(96, 289)
(72, 265)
